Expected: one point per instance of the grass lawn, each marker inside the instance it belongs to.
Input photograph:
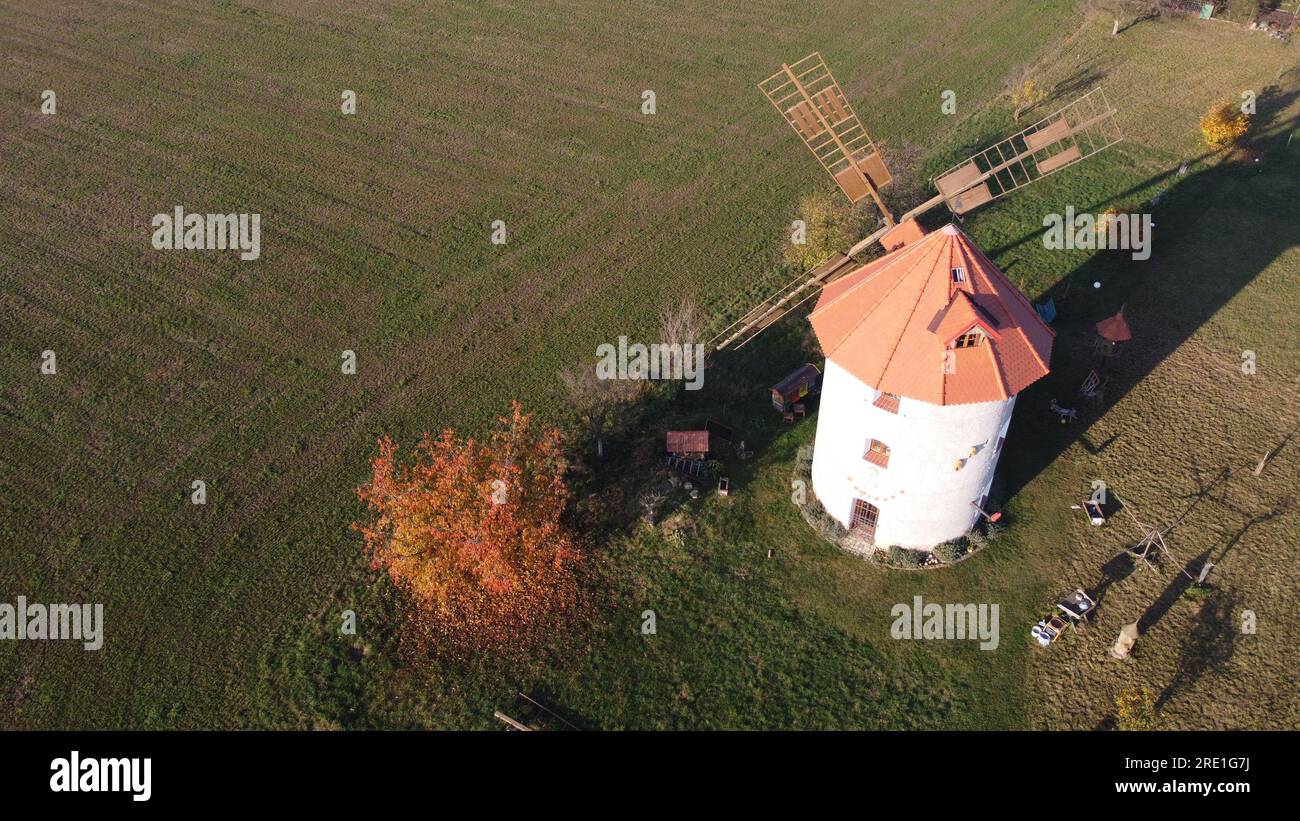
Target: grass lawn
(375, 238)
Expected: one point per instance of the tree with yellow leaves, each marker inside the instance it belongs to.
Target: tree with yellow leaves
(826, 225)
(1224, 124)
(1025, 94)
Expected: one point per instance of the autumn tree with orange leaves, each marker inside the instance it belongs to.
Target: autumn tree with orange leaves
(470, 532)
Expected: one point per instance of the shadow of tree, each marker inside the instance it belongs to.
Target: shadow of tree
(1208, 645)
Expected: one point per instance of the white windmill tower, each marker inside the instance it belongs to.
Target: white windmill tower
(926, 347)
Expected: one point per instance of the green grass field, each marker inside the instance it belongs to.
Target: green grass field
(376, 238)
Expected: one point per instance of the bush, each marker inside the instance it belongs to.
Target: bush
(949, 552)
(1024, 94)
(900, 557)
(1224, 124)
(831, 225)
(825, 524)
(1135, 709)
(984, 535)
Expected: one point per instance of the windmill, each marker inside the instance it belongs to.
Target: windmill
(810, 99)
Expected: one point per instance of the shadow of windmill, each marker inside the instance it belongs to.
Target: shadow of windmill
(1170, 296)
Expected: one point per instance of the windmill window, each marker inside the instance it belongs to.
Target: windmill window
(968, 340)
(887, 402)
(998, 447)
(877, 453)
(958, 274)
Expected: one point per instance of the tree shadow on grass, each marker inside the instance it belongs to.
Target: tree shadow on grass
(1208, 645)
(735, 395)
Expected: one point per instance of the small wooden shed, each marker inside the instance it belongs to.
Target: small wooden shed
(804, 382)
(688, 444)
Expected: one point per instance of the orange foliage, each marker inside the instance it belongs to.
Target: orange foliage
(471, 532)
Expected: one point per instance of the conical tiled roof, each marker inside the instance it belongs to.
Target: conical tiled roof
(893, 323)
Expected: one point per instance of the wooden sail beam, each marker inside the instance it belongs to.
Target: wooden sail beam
(778, 304)
(821, 118)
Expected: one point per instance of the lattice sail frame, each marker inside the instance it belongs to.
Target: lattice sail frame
(810, 99)
(1061, 139)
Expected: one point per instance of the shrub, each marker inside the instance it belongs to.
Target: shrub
(1024, 94)
(949, 552)
(832, 225)
(901, 557)
(825, 524)
(983, 535)
(1135, 709)
(1224, 124)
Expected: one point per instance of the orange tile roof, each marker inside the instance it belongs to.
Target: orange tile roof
(902, 234)
(890, 323)
(688, 441)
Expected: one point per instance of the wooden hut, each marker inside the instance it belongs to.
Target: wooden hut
(806, 381)
(688, 444)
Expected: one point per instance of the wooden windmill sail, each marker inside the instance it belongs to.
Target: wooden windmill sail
(1061, 139)
(810, 99)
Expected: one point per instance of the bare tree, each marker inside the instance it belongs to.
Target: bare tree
(909, 188)
(681, 324)
(599, 406)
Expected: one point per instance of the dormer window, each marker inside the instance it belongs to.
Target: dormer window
(877, 453)
(968, 340)
(887, 402)
(958, 274)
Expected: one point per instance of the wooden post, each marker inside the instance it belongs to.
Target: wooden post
(510, 722)
(1115, 31)
(1263, 460)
